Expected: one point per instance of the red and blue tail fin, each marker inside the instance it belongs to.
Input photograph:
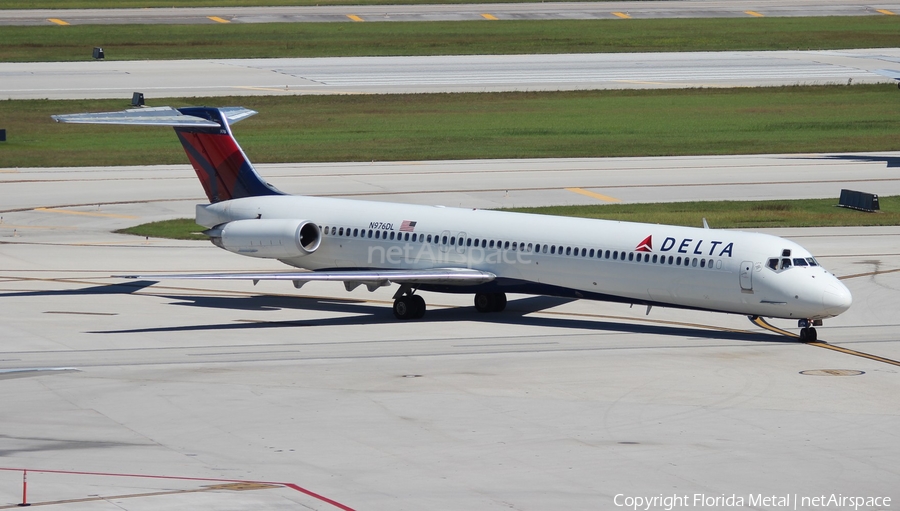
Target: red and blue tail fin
(220, 163)
(218, 160)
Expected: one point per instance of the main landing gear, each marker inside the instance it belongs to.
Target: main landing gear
(808, 333)
(490, 302)
(409, 306)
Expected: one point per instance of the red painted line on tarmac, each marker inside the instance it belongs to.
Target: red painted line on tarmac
(179, 478)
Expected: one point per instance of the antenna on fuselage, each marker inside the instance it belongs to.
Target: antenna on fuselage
(705, 225)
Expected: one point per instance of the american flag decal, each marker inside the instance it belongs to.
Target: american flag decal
(407, 226)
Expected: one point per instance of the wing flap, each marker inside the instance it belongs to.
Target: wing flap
(448, 276)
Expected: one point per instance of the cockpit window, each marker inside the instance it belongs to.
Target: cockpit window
(799, 261)
(812, 261)
(785, 263)
(772, 263)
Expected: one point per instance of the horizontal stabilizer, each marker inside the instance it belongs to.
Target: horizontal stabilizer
(156, 116)
(449, 276)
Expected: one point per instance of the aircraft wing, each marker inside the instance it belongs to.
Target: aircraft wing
(156, 116)
(351, 278)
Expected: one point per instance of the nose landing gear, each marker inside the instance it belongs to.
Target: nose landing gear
(808, 333)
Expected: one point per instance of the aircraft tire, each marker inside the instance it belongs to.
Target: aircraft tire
(418, 304)
(403, 309)
(499, 302)
(813, 336)
(483, 302)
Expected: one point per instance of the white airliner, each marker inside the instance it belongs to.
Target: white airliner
(482, 252)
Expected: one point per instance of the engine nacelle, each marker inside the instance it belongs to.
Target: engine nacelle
(270, 238)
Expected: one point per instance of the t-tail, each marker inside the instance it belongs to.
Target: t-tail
(221, 165)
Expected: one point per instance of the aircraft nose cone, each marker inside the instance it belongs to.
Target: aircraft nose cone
(836, 298)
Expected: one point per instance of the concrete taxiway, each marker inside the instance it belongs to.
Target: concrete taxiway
(227, 396)
(469, 73)
(450, 12)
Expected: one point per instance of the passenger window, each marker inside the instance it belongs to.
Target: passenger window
(469, 242)
(694, 262)
(483, 243)
(506, 245)
(492, 244)
(553, 249)
(444, 240)
(334, 230)
(568, 250)
(544, 249)
(799, 261)
(377, 234)
(370, 233)
(678, 261)
(607, 254)
(414, 237)
(392, 234)
(703, 263)
(341, 231)
(718, 264)
(655, 257)
(429, 238)
(355, 233)
(710, 264)
(616, 254)
(584, 252)
(514, 245)
(452, 240)
(591, 253)
(631, 256)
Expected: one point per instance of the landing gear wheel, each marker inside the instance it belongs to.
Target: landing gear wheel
(499, 302)
(418, 304)
(808, 334)
(490, 302)
(403, 309)
(483, 302)
(409, 307)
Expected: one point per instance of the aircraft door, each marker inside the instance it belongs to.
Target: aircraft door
(747, 275)
(461, 243)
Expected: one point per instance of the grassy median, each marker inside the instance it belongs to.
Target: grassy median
(491, 125)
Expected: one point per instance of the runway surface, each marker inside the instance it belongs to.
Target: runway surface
(550, 405)
(456, 12)
(475, 73)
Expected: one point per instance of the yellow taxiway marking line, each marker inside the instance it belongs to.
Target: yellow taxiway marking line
(588, 193)
(762, 323)
(218, 19)
(354, 17)
(82, 213)
(57, 21)
(754, 13)
(887, 12)
(489, 16)
(621, 15)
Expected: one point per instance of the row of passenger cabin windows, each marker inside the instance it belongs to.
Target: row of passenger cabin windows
(538, 248)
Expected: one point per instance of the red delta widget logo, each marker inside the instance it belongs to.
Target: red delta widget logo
(688, 246)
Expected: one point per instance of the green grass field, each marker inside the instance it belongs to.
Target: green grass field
(491, 125)
(720, 215)
(150, 42)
